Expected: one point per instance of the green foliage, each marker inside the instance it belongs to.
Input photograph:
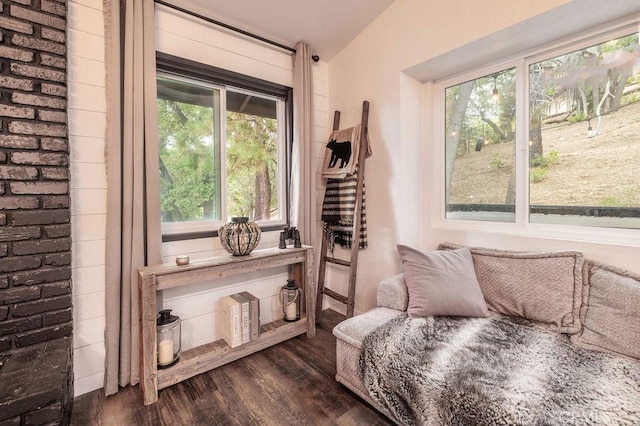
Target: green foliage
(252, 166)
(576, 118)
(537, 174)
(190, 163)
(539, 166)
(186, 161)
(544, 161)
(628, 197)
(496, 161)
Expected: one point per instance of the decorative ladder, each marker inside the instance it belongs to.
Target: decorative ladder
(352, 264)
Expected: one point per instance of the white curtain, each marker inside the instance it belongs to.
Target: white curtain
(303, 173)
(133, 195)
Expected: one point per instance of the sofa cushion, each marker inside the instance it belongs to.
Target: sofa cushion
(540, 286)
(610, 312)
(441, 283)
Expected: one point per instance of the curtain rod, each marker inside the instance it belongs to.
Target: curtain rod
(227, 26)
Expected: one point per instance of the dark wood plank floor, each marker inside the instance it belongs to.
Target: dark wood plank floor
(292, 383)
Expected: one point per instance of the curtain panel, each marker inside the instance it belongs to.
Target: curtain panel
(133, 235)
(303, 173)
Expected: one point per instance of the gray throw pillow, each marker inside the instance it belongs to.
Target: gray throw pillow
(540, 286)
(609, 312)
(442, 283)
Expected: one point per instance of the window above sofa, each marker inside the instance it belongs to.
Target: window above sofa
(551, 137)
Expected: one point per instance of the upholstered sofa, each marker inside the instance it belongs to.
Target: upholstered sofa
(558, 343)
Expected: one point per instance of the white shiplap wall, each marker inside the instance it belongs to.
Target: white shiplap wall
(181, 36)
(87, 119)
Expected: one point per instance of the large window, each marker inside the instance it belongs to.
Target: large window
(222, 153)
(580, 141)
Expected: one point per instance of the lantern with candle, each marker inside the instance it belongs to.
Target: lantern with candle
(290, 296)
(168, 334)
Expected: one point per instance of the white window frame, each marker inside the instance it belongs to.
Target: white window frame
(522, 226)
(199, 226)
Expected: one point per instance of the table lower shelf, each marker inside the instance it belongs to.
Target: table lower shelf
(212, 355)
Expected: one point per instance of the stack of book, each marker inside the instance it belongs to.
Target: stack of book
(238, 318)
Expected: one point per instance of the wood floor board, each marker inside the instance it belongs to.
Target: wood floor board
(292, 383)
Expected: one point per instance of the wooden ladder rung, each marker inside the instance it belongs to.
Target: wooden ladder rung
(353, 229)
(337, 261)
(337, 296)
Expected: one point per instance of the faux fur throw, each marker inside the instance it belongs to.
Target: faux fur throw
(490, 371)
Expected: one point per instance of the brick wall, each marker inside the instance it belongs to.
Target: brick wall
(35, 229)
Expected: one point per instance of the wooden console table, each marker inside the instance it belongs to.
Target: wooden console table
(206, 357)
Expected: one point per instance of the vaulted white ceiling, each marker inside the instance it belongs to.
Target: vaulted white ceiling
(326, 25)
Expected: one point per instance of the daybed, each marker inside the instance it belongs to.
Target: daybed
(559, 343)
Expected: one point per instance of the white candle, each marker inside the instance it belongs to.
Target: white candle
(291, 311)
(165, 352)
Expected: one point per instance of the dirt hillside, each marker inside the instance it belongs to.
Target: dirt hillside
(600, 171)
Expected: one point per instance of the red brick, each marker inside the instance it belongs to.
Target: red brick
(38, 100)
(53, 89)
(55, 173)
(34, 188)
(53, 144)
(15, 25)
(53, 61)
(51, 7)
(17, 112)
(37, 17)
(50, 34)
(57, 317)
(41, 129)
(15, 203)
(41, 246)
(43, 335)
(16, 83)
(41, 305)
(18, 173)
(55, 289)
(19, 263)
(4, 250)
(4, 313)
(38, 72)
(17, 54)
(55, 116)
(55, 202)
(20, 325)
(57, 231)
(20, 294)
(19, 233)
(19, 142)
(40, 158)
(58, 259)
(42, 217)
(35, 43)
(44, 275)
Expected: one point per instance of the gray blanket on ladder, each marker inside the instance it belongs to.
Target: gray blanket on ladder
(338, 211)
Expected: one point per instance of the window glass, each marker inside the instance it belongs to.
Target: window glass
(480, 170)
(584, 136)
(221, 155)
(252, 156)
(189, 138)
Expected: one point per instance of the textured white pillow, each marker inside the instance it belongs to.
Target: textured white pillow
(442, 283)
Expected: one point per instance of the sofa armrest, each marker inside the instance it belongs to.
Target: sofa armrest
(392, 293)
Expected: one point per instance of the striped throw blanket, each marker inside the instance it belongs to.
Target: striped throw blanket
(338, 211)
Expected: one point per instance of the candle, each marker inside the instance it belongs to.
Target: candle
(165, 352)
(291, 311)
